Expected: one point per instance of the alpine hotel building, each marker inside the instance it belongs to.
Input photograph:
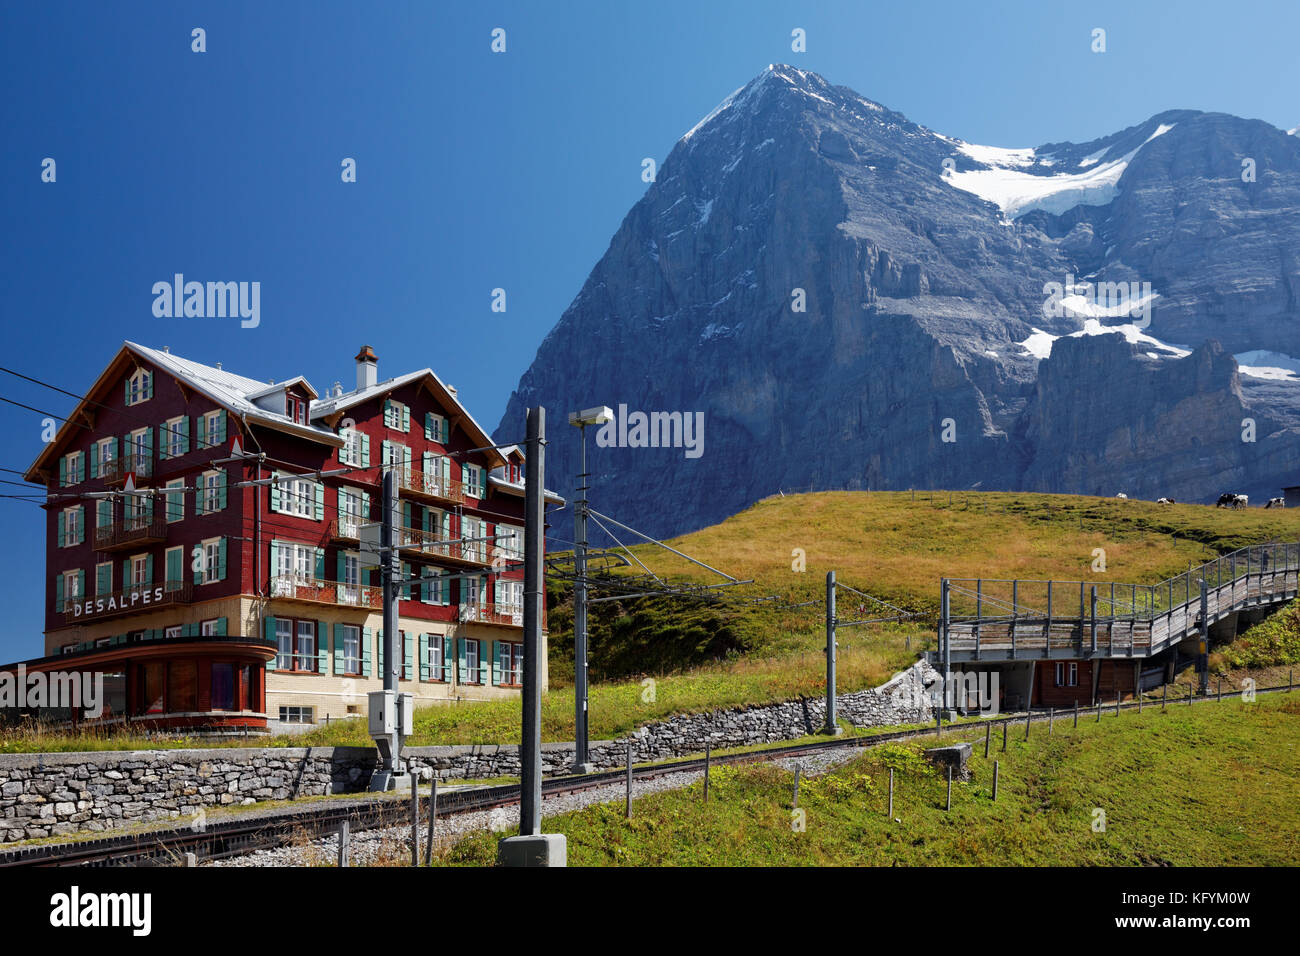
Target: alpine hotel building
(196, 556)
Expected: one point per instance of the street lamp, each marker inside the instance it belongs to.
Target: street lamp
(588, 416)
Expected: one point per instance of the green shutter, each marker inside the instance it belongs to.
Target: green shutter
(379, 650)
(81, 583)
(498, 671)
(103, 586)
(221, 560)
(202, 432)
(320, 501)
(221, 626)
(94, 460)
(340, 568)
(221, 491)
(365, 651)
(275, 558)
(268, 629)
(406, 418)
(428, 426)
(322, 647)
(461, 667)
(424, 656)
(63, 529)
(408, 656)
(148, 568)
(365, 451)
(185, 434)
(174, 573)
(58, 592)
(386, 453)
(337, 649)
(275, 493)
(63, 471)
(148, 444)
(320, 564)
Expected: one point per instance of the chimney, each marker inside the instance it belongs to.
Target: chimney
(367, 368)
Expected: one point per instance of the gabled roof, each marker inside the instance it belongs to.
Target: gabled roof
(277, 386)
(230, 391)
(425, 376)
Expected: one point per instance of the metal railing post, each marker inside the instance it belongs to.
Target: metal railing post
(1093, 623)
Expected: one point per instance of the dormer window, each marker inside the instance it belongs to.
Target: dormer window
(139, 387)
(297, 409)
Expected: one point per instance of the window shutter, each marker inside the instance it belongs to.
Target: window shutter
(221, 560)
(202, 432)
(185, 434)
(379, 649)
(126, 573)
(102, 586)
(407, 521)
(275, 493)
(58, 592)
(126, 398)
(341, 568)
(275, 557)
(81, 583)
(320, 501)
(174, 574)
(406, 418)
(164, 441)
(63, 471)
(63, 529)
(320, 564)
(386, 453)
(148, 384)
(103, 514)
(498, 672)
(388, 413)
(428, 426)
(424, 656)
(408, 657)
(148, 569)
(484, 665)
(365, 451)
(268, 629)
(365, 652)
(462, 675)
(426, 469)
(446, 431)
(336, 651)
(322, 647)
(94, 460)
(221, 491)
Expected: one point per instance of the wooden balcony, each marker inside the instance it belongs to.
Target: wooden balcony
(438, 545)
(345, 529)
(504, 614)
(431, 486)
(132, 600)
(115, 472)
(131, 532)
(292, 587)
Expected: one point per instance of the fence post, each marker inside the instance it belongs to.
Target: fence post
(1005, 724)
(1027, 713)
(995, 781)
(629, 780)
(1099, 708)
(1117, 696)
(1092, 626)
(1051, 717)
(344, 836)
(433, 818)
(1164, 698)
(707, 759)
(891, 793)
(988, 734)
(1076, 713)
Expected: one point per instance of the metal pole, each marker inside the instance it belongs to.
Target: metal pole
(1092, 627)
(415, 814)
(995, 781)
(344, 834)
(707, 761)
(988, 736)
(891, 793)
(580, 759)
(1005, 724)
(945, 620)
(530, 782)
(948, 808)
(629, 780)
(433, 818)
(832, 726)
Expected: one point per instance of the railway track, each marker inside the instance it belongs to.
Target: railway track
(231, 838)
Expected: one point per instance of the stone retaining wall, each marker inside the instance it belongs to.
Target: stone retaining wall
(52, 794)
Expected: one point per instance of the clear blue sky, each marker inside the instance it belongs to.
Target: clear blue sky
(475, 170)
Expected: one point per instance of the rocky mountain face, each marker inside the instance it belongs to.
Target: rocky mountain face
(856, 301)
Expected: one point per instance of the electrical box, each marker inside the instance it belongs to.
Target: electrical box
(391, 713)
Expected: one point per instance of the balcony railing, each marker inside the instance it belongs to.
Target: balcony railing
(132, 600)
(130, 532)
(507, 614)
(115, 471)
(430, 485)
(295, 587)
(445, 546)
(347, 528)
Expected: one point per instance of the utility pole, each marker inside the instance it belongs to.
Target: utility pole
(532, 847)
(590, 416)
(832, 725)
(390, 712)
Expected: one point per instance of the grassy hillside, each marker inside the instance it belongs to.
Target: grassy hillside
(1214, 784)
(895, 546)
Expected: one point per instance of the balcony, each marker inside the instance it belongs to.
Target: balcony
(132, 600)
(427, 485)
(347, 528)
(131, 532)
(293, 587)
(508, 615)
(115, 472)
(439, 545)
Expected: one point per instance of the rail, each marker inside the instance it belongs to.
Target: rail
(1005, 618)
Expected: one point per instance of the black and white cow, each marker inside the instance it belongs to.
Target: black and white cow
(1276, 503)
(1166, 501)
(1229, 500)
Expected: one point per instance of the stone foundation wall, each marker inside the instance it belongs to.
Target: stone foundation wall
(45, 795)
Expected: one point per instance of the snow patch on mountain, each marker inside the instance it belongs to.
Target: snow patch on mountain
(1039, 344)
(1016, 192)
(1260, 363)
